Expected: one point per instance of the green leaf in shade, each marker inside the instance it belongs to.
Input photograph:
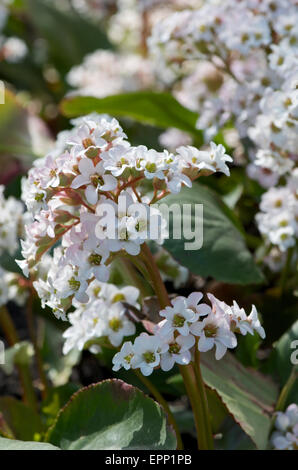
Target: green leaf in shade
(22, 135)
(22, 421)
(283, 351)
(249, 396)
(10, 444)
(282, 365)
(111, 415)
(224, 254)
(69, 36)
(155, 108)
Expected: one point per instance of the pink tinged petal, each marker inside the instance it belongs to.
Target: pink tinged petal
(146, 370)
(183, 358)
(79, 180)
(110, 183)
(220, 350)
(82, 297)
(205, 344)
(203, 309)
(184, 330)
(91, 194)
(261, 332)
(229, 340)
(102, 273)
(194, 298)
(167, 362)
(186, 342)
(132, 248)
(186, 180)
(86, 166)
(196, 329)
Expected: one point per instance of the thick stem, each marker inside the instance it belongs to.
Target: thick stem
(133, 277)
(158, 396)
(155, 277)
(190, 383)
(207, 431)
(24, 372)
(193, 382)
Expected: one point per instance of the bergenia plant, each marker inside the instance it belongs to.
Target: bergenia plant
(148, 245)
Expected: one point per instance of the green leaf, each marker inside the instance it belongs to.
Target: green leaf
(282, 361)
(111, 415)
(157, 109)
(18, 134)
(20, 418)
(283, 350)
(248, 395)
(69, 36)
(224, 254)
(56, 399)
(9, 444)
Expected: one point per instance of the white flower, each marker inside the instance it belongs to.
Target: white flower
(124, 357)
(95, 179)
(175, 179)
(153, 163)
(214, 330)
(67, 283)
(147, 353)
(118, 325)
(286, 423)
(92, 263)
(178, 351)
(117, 159)
(213, 160)
(179, 317)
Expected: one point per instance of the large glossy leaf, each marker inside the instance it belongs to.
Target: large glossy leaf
(9, 444)
(224, 254)
(249, 396)
(158, 109)
(111, 415)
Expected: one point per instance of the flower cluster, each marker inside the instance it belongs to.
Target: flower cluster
(114, 72)
(225, 82)
(285, 435)
(88, 193)
(103, 318)
(248, 73)
(277, 220)
(187, 322)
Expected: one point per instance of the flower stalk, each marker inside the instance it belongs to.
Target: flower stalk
(12, 337)
(191, 374)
